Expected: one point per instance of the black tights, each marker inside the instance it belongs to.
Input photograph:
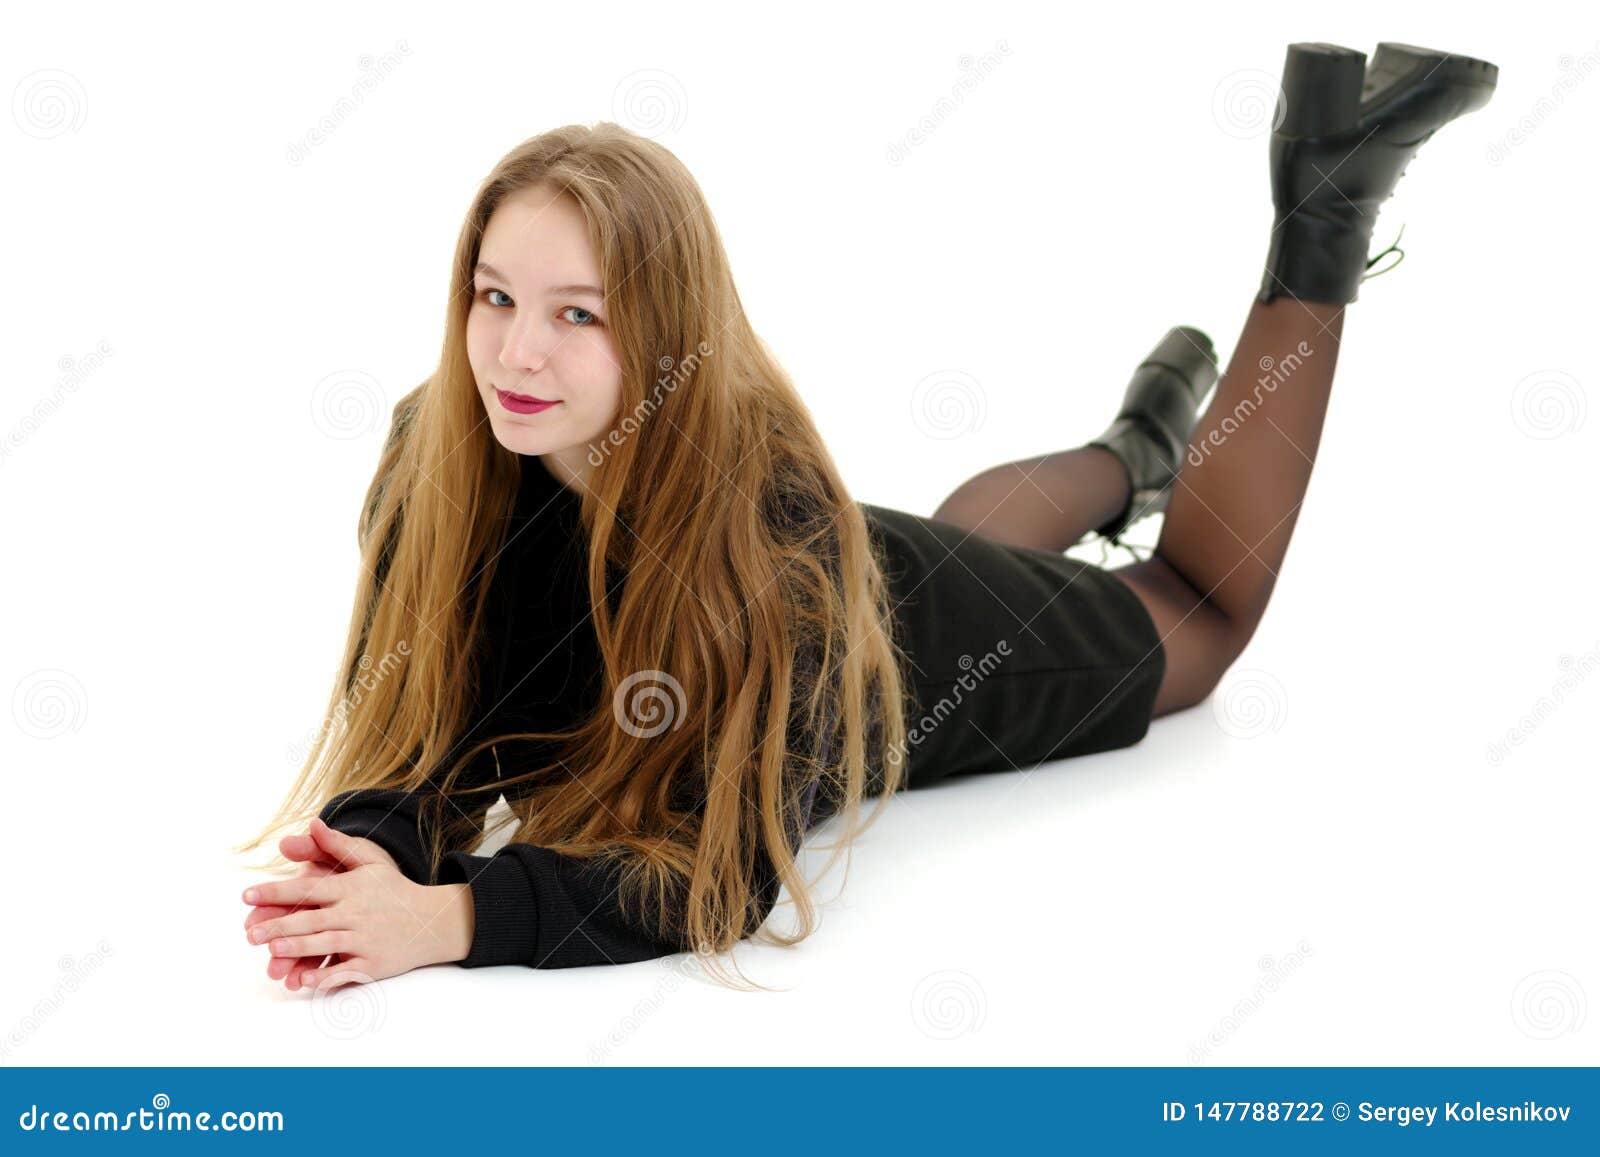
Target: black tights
(1232, 510)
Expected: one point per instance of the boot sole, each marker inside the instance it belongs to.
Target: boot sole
(1327, 88)
(1188, 352)
(1394, 65)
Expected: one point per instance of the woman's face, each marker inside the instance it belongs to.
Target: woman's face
(536, 332)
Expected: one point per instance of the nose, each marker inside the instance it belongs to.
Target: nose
(528, 344)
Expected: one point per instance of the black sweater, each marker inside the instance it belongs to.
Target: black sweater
(540, 665)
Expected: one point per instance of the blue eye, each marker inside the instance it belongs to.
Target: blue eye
(589, 316)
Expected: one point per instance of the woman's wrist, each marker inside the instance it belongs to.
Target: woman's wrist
(451, 926)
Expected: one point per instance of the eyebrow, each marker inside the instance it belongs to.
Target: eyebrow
(590, 290)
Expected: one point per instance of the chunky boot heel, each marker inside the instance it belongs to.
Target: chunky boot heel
(1334, 164)
(1159, 411)
(1321, 89)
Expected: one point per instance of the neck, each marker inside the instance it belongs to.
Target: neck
(569, 467)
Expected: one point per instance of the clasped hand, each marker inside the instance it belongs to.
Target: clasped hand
(351, 916)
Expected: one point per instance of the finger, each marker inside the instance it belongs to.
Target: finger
(306, 963)
(303, 847)
(350, 851)
(301, 890)
(353, 970)
(262, 912)
(330, 941)
(291, 974)
(281, 967)
(295, 922)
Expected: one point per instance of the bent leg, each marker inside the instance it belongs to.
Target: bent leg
(1048, 503)
(1237, 497)
(1200, 642)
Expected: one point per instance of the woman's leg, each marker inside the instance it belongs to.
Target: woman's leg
(1232, 508)
(1237, 497)
(1048, 503)
(1349, 128)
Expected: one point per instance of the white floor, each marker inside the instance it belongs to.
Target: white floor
(1292, 881)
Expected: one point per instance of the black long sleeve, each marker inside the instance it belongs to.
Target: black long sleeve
(532, 905)
(394, 819)
(538, 907)
(389, 819)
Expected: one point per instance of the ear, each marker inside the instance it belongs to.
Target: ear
(347, 851)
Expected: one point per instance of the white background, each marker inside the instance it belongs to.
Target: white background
(1323, 865)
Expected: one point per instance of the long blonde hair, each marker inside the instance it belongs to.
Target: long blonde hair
(748, 575)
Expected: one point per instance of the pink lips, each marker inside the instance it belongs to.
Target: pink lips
(522, 403)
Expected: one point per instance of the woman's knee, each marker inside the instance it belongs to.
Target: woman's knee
(1199, 640)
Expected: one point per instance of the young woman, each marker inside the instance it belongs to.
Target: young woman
(611, 571)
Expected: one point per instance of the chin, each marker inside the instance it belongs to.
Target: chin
(519, 439)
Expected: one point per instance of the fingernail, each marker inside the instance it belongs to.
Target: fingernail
(250, 895)
(257, 935)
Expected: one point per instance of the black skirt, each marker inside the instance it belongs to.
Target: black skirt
(1016, 656)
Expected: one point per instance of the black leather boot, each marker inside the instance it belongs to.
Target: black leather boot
(1159, 411)
(1349, 130)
